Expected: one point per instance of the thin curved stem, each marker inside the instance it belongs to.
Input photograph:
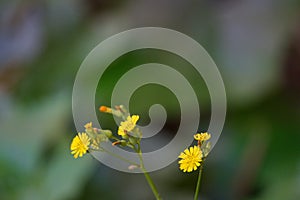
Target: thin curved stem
(146, 174)
(198, 182)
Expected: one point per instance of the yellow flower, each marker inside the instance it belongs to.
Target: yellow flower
(202, 136)
(128, 125)
(88, 125)
(190, 159)
(80, 145)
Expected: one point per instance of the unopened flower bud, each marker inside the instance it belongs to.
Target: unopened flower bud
(105, 109)
(132, 167)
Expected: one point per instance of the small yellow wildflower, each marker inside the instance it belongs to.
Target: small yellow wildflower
(202, 136)
(128, 125)
(190, 159)
(80, 145)
(88, 125)
(105, 109)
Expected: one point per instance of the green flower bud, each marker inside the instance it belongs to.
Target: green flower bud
(125, 136)
(133, 140)
(108, 133)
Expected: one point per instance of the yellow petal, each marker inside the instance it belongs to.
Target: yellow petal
(135, 118)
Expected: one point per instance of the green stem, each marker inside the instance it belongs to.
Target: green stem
(198, 183)
(146, 174)
(151, 184)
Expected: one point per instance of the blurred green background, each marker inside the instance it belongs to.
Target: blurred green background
(255, 44)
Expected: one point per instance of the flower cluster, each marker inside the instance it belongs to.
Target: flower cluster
(192, 158)
(129, 135)
(90, 140)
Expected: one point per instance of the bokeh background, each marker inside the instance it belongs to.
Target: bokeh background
(255, 44)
